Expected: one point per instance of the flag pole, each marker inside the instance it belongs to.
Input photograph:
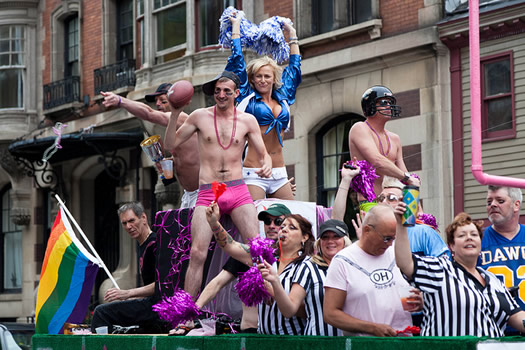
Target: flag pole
(63, 206)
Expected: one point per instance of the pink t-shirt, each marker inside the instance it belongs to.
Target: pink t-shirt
(371, 284)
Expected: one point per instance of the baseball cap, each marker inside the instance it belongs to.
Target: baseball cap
(209, 87)
(161, 90)
(338, 227)
(276, 209)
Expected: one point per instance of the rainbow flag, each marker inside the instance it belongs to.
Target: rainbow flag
(66, 280)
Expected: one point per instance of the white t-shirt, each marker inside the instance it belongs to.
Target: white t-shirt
(371, 284)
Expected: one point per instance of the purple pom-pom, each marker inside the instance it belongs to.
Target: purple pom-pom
(428, 219)
(364, 181)
(177, 309)
(262, 247)
(251, 287)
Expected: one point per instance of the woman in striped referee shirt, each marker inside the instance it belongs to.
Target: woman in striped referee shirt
(459, 298)
(308, 283)
(295, 243)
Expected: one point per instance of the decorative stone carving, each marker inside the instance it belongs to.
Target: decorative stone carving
(10, 165)
(21, 216)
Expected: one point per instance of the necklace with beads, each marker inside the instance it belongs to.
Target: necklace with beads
(381, 150)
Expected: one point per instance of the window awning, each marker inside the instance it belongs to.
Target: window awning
(76, 145)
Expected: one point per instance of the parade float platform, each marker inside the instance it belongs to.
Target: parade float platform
(257, 341)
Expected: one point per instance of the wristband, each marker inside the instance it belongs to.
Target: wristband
(293, 38)
(119, 100)
(293, 42)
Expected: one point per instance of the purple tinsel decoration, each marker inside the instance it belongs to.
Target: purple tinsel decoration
(265, 39)
(177, 309)
(364, 181)
(251, 287)
(428, 219)
(262, 247)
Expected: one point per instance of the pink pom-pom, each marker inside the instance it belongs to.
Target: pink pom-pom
(251, 287)
(364, 181)
(428, 219)
(262, 247)
(177, 309)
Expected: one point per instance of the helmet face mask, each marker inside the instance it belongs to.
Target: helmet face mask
(383, 96)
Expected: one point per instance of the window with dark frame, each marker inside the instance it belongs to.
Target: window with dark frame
(71, 51)
(170, 16)
(498, 116)
(12, 66)
(125, 30)
(332, 152)
(329, 15)
(209, 11)
(11, 247)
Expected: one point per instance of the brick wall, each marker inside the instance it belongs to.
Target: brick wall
(283, 8)
(399, 16)
(91, 43)
(90, 26)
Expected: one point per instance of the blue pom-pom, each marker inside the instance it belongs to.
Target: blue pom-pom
(265, 39)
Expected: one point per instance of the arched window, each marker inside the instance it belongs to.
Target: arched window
(11, 247)
(332, 151)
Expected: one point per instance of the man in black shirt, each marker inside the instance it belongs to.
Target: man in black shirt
(133, 306)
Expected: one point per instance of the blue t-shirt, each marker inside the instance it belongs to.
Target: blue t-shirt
(425, 241)
(505, 258)
(285, 95)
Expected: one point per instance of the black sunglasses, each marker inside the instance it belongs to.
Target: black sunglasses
(276, 221)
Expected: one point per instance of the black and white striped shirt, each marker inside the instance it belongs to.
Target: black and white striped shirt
(271, 321)
(457, 304)
(311, 277)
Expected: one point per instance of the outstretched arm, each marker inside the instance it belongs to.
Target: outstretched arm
(138, 109)
(236, 250)
(339, 206)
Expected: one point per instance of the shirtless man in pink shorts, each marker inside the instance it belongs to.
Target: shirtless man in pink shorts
(222, 132)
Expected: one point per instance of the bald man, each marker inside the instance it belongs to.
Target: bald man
(363, 279)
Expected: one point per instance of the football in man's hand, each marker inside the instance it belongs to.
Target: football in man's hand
(180, 93)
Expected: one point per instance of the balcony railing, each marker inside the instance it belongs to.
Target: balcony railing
(115, 76)
(61, 92)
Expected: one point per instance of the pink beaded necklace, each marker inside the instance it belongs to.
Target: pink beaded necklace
(233, 129)
(379, 139)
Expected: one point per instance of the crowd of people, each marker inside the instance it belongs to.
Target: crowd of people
(324, 284)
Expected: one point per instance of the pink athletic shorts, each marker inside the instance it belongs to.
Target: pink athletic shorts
(236, 194)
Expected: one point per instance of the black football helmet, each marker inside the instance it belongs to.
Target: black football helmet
(376, 94)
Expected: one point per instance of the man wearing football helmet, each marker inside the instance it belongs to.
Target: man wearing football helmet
(369, 140)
